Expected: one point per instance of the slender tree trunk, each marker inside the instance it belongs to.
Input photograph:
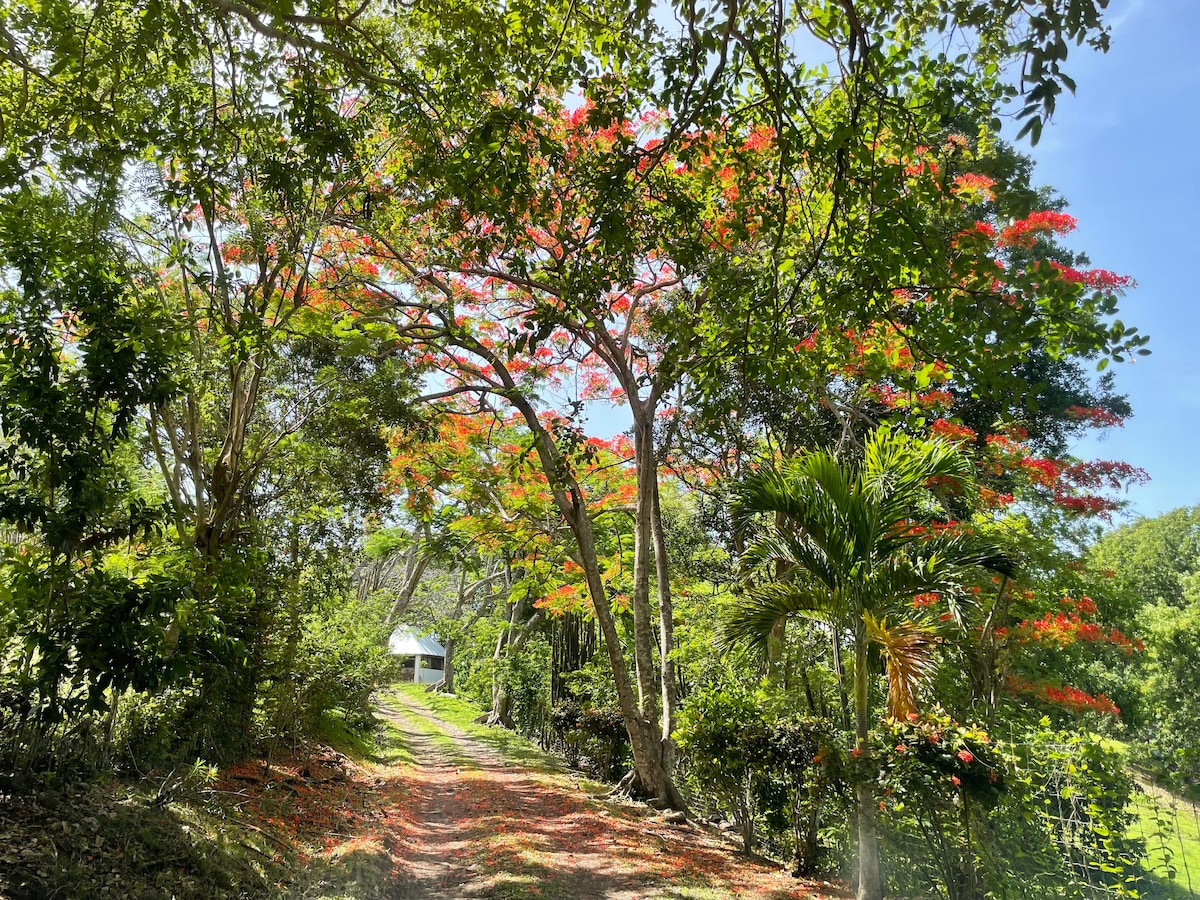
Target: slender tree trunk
(666, 627)
(448, 670)
(415, 563)
(776, 639)
(839, 671)
(645, 736)
(870, 878)
(508, 645)
(643, 647)
(986, 664)
(501, 711)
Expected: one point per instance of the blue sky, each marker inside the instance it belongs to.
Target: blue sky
(1125, 152)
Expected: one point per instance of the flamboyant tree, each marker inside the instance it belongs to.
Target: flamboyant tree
(583, 279)
(619, 260)
(482, 481)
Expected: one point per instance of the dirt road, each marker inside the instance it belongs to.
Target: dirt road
(480, 827)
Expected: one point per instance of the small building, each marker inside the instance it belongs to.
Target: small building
(422, 658)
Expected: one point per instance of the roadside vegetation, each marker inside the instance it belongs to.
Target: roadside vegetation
(315, 321)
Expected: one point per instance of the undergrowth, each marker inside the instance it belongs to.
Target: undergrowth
(302, 824)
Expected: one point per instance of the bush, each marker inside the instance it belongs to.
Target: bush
(593, 739)
(766, 775)
(940, 781)
(719, 731)
(806, 755)
(335, 661)
(1046, 817)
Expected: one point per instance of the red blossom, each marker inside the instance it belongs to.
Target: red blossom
(1065, 628)
(1099, 418)
(952, 431)
(761, 138)
(1023, 232)
(973, 184)
(995, 499)
(1097, 279)
(1067, 696)
(1043, 471)
(978, 231)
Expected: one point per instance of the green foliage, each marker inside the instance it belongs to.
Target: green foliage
(718, 729)
(1171, 691)
(1152, 569)
(769, 774)
(85, 603)
(332, 655)
(594, 739)
(1150, 559)
(1050, 814)
(526, 677)
(940, 782)
(1082, 791)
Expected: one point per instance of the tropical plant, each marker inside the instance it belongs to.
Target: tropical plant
(853, 542)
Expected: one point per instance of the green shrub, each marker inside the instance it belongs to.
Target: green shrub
(594, 739)
(335, 660)
(806, 756)
(770, 776)
(1048, 816)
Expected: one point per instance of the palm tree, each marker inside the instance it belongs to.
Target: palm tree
(853, 543)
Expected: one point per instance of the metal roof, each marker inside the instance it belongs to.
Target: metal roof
(407, 641)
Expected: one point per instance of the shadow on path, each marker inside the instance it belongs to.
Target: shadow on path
(484, 828)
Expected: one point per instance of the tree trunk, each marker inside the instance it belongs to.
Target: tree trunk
(501, 711)
(499, 714)
(643, 647)
(510, 642)
(839, 671)
(807, 832)
(666, 626)
(985, 668)
(415, 563)
(870, 878)
(645, 738)
(448, 669)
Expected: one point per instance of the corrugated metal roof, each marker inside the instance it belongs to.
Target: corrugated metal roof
(407, 641)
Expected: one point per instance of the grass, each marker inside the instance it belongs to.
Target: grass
(1172, 834)
(428, 728)
(461, 713)
(387, 746)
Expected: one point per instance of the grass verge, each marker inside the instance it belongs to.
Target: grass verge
(1171, 829)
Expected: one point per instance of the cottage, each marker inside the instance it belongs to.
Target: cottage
(422, 658)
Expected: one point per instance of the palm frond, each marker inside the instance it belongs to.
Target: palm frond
(897, 469)
(748, 620)
(944, 564)
(795, 550)
(960, 551)
(811, 493)
(908, 648)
